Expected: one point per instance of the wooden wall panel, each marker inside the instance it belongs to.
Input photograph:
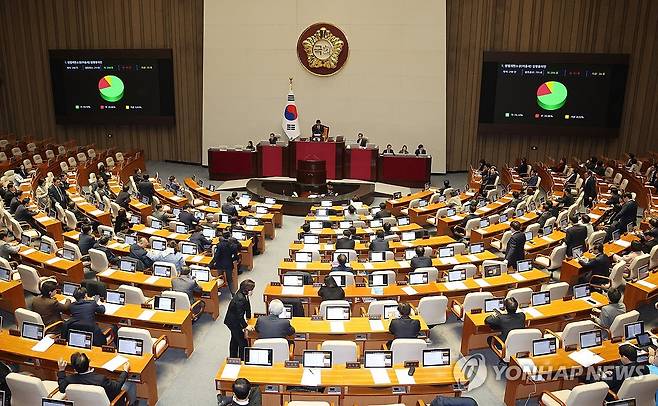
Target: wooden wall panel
(594, 26)
(29, 28)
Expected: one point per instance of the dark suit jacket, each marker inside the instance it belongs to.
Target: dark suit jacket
(627, 214)
(533, 181)
(85, 242)
(123, 199)
(49, 309)
(146, 188)
(112, 388)
(336, 293)
(111, 258)
(317, 129)
(188, 219)
(345, 244)
(273, 327)
(622, 372)
(379, 244)
(94, 287)
(13, 204)
(228, 208)
(544, 217)
(450, 401)
(382, 214)
(575, 236)
(57, 195)
(596, 266)
(468, 217)
(85, 311)
(187, 285)
(420, 262)
(404, 327)
(566, 200)
(23, 214)
(515, 251)
(239, 308)
(200, 240)
(225, 254)
(505, 322)
(140, 254)
(589, 187)
(342, 268)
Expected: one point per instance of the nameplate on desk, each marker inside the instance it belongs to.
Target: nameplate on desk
(269, 388)
(352, 365)
(374, 317)
(14, 332)
(361, 337)
(233, 361)
(616, 339)
(60, 341)
(257, 315)
(317, 285)
(409, 364)
(397, 390)
(476, 311)
(325, 261)
(146, 306)
(522, 354)
(317, 317)
(107, 348)
(334, 390)
(401, 283)
(287, 260)
(291, 364)
(360, 285)
(147, 272)
(279, 284)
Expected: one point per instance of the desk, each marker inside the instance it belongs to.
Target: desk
(144, 210)
(445, 224)
(225, 164)
(554, 316)
(51, 226)
(331, 152)
(332, 234)
(395, 206)
(201, 192)
(419, 215)
(273, 160)
(44, 364)
(12, 295)
(361, 163)
(91, 211)
(487, 234)
(539, 245)
(167, 196)
(51, 265)
(276, 209)
(639, 292)
(359, 390)
(405, 170)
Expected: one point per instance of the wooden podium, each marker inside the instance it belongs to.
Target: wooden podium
(312, 172)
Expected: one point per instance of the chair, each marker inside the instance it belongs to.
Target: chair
(472, 300)
(29, 390)
(151, 345)
(534, 229)
(413, 203)
(50, 154)
(82, 158)
(37, 159)
(134, 295)
(119, 157)
(471, 225)
(31, 147)
(390, 276)
(432, 273)
(432, 309)
(3, 157)
(588, 394)
(522, 295)
(72, 163)
(16, 152)
(22, 315)
(61, 150)
(558, 290)
(407, 349)
(281, 350)
(642, 388)
(501, 245)
(349, 276)
(102, 229)
(74, 248)
(596, 236)
(183, 303)
(99, 262)
(570, 336)
(637, 263)
(376, 307)
(109, 163)
(617, 327)
(459, 247)
(436, 198)
(554, 260)
(30, 279)
(92, 395)
(350, 254)
(489, 262)
(653, 258)
(517, 341)
(323, 305)
(615, 280)
(91, 153)
(342, 351)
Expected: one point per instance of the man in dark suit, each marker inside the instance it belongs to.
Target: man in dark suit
(522, 170)
(83, 315)
(101, 245)
(516, 199)
(599, 265)
(10, 194)
(383, 212)
(626, 215)
(361, 140)
(86, 376)
(459, 230)
(272, 326)
(420, 260)
(533, 180)
(566, 200)
(23, 213)
(146, 188)
(13, 204)
(589, 189)
(316, 131)
(138, 251)
(56, 194)
(570, 179)
(86, 240)
(345, 242)
(342, 264)
(225, 254)
(507, 322)
(576, 235)
(515, 246)
(626, 367)
(200, 240)
(244, 394)
(379, 243)
(546, 213)
(229, 207)
(420, 150)
(186, 217)
(123, 198)
(404, 326)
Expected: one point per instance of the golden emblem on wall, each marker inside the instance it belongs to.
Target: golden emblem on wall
(322, 49)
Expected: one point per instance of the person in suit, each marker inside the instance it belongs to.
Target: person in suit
(94, 286)
(86, 240)
(566, 200)
(459, 230)
(511, 320)
(173, 184)
(186, 217)
(404, 326)
(146, 188)
(608, 312)
(441, 400)
(237, 314)
(103, 173)
(13, 204)
(546, 213)
(200, 240)
(625, 368)
(561, 165)
(420, 150)
(225, 255)
(342, 264)
(123, 198)
(138, 251)
(631, 160)
(171, 255)
(48, 307)
(383, 212)
(273, 138)
(7, 249)
(533, 180)
(379, 243)
(648, 239)
(244, 394)
(626, 215)
(515, 246)
(575, 236)
(316, 131)
(24, 214)
(84, 375)
(388, 150)
(351, 213)
(599, 265)
(522, 169)
(614, 200)
(404, 150)
(570, 179)
(330, 290)
(121, 222)
(101, 245)
(420, 260)
(83, 315)
(186, 283)
(599, 169)
(446, 185)
(272, 326)
(589, 189)
(80, 217)
(161, 214)
(229, 207)
(361, 140)
(10, 194)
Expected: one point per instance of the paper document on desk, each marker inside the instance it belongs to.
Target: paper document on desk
(456, 217)
(532, 312)
(472, 257)
(548, 239)
(380, 376)
(53, 261)
(404, 264)
(114, 245)
(585, 358)
(518, 277)
(337, 326)
(196, 258)
(152, 280)
(146, 315)
(148, 230)
(404, 378)
(114, 363)
(292, 290)
(646, 284)
(377, 325)
(312, 377)
(28, 251)
(409, 290)
(300, 265)
(368, 265)
(108, 272)
(449, 260)
(231, 371)
(96, 212)
(623, 243)
(482, 283)
(455, 286)
(329, 247)
(111, 308)
(43, 345)
(528, 366)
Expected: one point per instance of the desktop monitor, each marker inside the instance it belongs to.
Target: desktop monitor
(209, 233)
(135, 219)
(116, 297)
(337, 313)
(130, 346)
(316, 359)
(261, 210)
(251, 221)
(80, 339)
(26, 240)
(390, 311)
(68, 288)
(541, 298)
(422, 203)
(68, 254)
(33, 331)
(544, 346)
(528, 235)
(378, 359)
(408, 235)
(484, 223)
(418, 278)
(311, 239)
(404, 221)
(181, 228)
(5, 274)
(341, 280)
(188, 248)
(547, 230)
(456, 275)
(492, 270)
(436, 357)
(239, 235)
(397, 195)
(175, 211)
(258, 356)
(445, 252)
(519, 212)
(524, 265)
(162, 271)
(378, 256)
(377, 280)
(376, 223)
(643, 272)
(287, 312)
(409, 254)
(326, 203)
(622, 402)
(45, 247)
(564, 223)
(503, 218)
(616, 235)
(292, 280)
(157, 224)
(580, 291)
(270, 200)
(322, 212)
(345, 224)
(302, 256)
(532, 206)
(164, 303)
(375, 210)
(130, 239)
(591, 338)
(127, 265)
(492, 304)
(315, 225)
(476, 248)
(451, 212)
(633, 329)
(200, 273)
(158, 245)
(213, 203)
(224, 218)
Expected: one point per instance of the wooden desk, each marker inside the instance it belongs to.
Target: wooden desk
(276, 209)
(359, 390)
(554, 316)
(540, 245)
(395, 206)
(51, 265)
(266, 219)
(91, 211)
(44, 364)
(639, 292)
(144, 210)
(201, 192)
(487, 234)
(167, 196)
(445, 224)
(332, 234)
(420, 215)
(12, 295)
(51, 227)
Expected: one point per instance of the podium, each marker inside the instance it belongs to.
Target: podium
(272, 159)
(225, 164)
(312, 173)
(331, 152)
(361, 163)
(404, 170)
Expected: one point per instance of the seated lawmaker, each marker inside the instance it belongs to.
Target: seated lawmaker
(421, 150)
(330, 290)
(342, 264)
(244, 394)
(383, 212)
(83, 315)
(272, 326)
(626, 367)
(316, 131)
(404, 326)
(379, 244)
(23, 213)
(170, 255)
(121, 222)
(185, 283)
(250, 146)
(273, 139)
(101, 245)
(123, 198)
(345, 242)
(607, 314)
(351, 213)
(197, 237)
(599, 265)
(420, 260)
(138, 251)
(404, 150)
(86, 240)
(48, 307)
(229, 207)
(388, 150)
(505, 322)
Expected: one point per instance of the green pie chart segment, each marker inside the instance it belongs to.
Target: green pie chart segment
(551, 95)
(110, 88)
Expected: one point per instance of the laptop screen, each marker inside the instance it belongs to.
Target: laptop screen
(127, 265)
(408, 235)
(456, 275)
(377, 280)
(5, 274)
(189, 248)
(524, 265)
(167, 304)
(633, 329)
(476, 248)
(116, 297)
(590, 338)
(376, 223)
(337, 313)
(418, 278)
(293, 280)
(377, 256)
(436, 357)
(544, 346)
(316, 359)
(315, 225)
(52, 402)
(32, 331)
(157, 224)
(80, 339)
(130, 346)
(580, 291)
(301, 256)
(158, 245)
(68, 288)
(403, 221)
(378, 359)
(181, 228)
(445, 252)
(311, 239)
(130, 239)
(45, 247)
(491, 270)
(492, 304)
(68, 253)
(258, 356)
(161, 270)
(541, 298)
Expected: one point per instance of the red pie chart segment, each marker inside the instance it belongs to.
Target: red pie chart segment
(103, 83)
(543, 89)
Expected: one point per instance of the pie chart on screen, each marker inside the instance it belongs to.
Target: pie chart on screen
(551, 95)
(110, 88)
